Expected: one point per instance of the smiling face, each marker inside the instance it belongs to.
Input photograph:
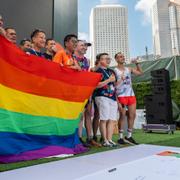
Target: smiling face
(11, 35)
(39, 40)
(71, 44)
(27, 45)
(81, 48)
(104, 60)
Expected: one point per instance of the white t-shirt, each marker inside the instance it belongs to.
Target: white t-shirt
(124, 89)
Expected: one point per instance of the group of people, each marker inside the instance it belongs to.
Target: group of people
(113, 94)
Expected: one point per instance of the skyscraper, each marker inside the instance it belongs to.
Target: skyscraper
(109, 31)
(166, 27)
(174, 15)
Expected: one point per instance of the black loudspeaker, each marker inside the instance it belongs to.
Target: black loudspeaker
(160, 73)
(158, 110)
(148, 101)
(161, 82)
(158, 105)
(161, 89)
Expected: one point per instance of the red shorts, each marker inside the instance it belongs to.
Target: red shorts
(129, 100)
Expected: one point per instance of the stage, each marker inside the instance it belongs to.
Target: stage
(84, 166)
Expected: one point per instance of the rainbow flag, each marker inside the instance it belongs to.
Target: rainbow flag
(40, 105)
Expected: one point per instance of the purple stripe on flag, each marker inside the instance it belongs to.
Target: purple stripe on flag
(42, 153)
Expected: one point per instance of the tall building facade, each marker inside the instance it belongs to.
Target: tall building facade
(166, 27)
(174, 15)
(109, 31)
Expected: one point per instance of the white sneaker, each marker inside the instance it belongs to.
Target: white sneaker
(112, 143)
(106, 144)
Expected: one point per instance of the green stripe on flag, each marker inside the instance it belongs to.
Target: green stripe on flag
(36, 125)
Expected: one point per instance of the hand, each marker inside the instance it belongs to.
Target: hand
(54, 49)
(2, 32)
(92, 69)
(123, 77)
(112, 78)
(135, 61)
(119, 107)
(77, 67)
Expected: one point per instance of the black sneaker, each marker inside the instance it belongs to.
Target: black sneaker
(101, 140)
(130, 141)
(95, 138)
(121, 141)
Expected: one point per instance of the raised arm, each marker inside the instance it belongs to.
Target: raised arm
(138, 70)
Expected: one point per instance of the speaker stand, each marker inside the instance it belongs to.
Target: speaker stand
(166, 128)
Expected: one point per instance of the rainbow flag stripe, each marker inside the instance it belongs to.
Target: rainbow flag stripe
(40, 105)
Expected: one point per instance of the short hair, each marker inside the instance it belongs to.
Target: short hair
(7, 28)
(117, 54)
(102, 54)
(36, 32)
(22, 42)
(1, 17)
(79, 40)
(97, 59)
(68, 37)
(49, 39)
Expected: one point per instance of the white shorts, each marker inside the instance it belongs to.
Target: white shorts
(108, 108)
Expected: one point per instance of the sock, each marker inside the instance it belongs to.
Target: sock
(129, 133)
(106, 141)
(121, 134)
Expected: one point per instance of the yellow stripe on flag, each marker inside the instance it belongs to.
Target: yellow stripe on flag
(17, 101)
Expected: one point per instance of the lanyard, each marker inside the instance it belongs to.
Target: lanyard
(106, 73)
(36, 53)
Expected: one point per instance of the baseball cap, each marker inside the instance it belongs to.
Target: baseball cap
(87, 43)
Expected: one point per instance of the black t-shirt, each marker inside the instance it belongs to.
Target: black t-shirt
(48, 56)
(36, 53)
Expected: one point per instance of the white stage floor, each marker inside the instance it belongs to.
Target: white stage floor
(75, 168)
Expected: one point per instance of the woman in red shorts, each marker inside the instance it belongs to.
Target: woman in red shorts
(126, 97)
